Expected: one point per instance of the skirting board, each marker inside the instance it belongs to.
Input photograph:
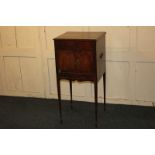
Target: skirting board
(78, 98)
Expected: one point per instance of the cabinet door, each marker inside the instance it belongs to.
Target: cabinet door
(66, 61)
(84, 61)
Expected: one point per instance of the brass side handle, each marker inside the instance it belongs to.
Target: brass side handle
(101, 55)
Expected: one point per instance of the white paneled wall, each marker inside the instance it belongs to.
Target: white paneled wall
(8, 37)
(20, 54)
(145, 39)
(145, 87)
(117, 79)
(12, 73)
(27, 64)
(30, 75)
(1, 73)
(26, 37)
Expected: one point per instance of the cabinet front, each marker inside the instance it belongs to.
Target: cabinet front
(77, 57)
(84, 61)
(66, 61)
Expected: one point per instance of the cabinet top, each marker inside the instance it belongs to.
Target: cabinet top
(81, 35)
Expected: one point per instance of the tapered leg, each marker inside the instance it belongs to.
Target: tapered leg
(59, 98)
(70, 82)
(104, 89)
(96, 102)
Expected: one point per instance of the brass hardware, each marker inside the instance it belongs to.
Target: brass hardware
(101, 55)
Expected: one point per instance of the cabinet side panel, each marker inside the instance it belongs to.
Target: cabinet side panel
(100, 56)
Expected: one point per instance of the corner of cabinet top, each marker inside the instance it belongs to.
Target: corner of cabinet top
(80, 35)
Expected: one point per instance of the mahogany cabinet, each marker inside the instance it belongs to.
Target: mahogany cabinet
(80, 56)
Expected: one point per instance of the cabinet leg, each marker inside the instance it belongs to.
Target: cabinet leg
(96, 102)
(70, 82)
(104, 89)
(59, 98)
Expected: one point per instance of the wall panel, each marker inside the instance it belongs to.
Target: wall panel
(145, 78)
(26, 36)
(13, 73)
(146, 39)
(79, 89)
(0, 40)
(1, 72)
(117, 79)
(8, 37)
(30, 74)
